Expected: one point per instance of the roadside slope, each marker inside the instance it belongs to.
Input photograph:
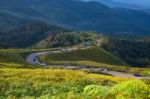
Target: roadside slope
(92, 54)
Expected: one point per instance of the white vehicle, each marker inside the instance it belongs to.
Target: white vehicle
(42, 64)
(62, 49)
(37, 62)
(38, 54)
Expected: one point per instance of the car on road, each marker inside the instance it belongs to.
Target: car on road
(34, 59)
(137, 75)
(42, 64)
(38, 53)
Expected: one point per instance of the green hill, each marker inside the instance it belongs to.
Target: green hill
(72, 39)
(29, 34)
(15, 58)
(93, 54)
(133, 52)
(12, 58)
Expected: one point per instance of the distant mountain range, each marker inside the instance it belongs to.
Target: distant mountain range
(75, 15)
(129, 4)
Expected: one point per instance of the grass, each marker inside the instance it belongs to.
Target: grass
(126, 69)
(93, 58)
(17, 81)
(94, 54)
(38, 82)
(21, 83)
(15, 58)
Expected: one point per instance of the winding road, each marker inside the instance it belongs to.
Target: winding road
(33, 59)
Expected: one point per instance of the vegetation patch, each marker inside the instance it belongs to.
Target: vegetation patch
(42, 83)
(134, 52)
(93, 54)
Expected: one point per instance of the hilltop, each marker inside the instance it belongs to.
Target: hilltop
(72, 39)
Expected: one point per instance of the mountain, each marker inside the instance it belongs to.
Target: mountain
(29, 34)
(148, 11)
(129, 4)
(75, 15)
(142, 3)
(145, 39)
(118, 4)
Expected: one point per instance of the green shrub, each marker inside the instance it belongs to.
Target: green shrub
(134, 89)
(95, 90)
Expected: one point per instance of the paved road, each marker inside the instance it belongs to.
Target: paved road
(124, 75)
(33, 59)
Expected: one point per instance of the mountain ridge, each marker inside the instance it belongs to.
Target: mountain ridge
(76, 16)
(128, 4)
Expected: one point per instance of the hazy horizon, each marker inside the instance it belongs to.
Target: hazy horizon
(145, 3)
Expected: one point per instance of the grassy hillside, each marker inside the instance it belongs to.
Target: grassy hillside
(65, 84)
(93, 54)
(13, 58)
(56, 84)
(96, 57)
(16, 57)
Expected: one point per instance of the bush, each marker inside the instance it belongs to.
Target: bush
(134, 89)
(95, 90)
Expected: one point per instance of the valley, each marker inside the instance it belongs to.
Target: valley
(74, 49)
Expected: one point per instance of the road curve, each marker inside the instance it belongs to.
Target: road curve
(33, 59)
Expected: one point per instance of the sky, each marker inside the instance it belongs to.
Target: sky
(136, 2)
(139, 2)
